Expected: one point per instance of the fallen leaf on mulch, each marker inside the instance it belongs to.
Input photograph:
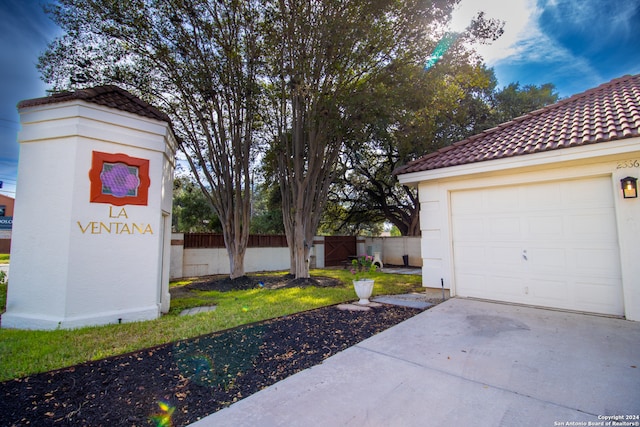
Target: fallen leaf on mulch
(187, 380)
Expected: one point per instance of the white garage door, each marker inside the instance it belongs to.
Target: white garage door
(550, 244)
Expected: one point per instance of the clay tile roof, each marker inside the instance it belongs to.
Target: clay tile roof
(606, 113)
(109, 96)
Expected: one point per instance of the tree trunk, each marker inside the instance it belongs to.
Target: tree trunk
(299, 230)
(414, 225)
(236, 262)
(301, 253)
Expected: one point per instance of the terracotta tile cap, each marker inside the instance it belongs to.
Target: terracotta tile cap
(108, 96)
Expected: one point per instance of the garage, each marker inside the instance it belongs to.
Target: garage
(542, 210)
(550, 244)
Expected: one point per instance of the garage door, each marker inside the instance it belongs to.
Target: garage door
(550, 244)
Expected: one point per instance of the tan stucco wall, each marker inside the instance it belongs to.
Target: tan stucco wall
(614, 160)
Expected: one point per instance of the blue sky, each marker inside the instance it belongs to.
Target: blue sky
(574, 44)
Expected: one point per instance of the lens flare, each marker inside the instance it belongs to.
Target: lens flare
(163, 419)
(245, 308)
(199, 368)
(217, 360)
(441, 48)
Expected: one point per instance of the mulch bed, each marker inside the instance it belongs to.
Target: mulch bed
(187, 380)
(224, 283)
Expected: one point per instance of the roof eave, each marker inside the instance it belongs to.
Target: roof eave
(623, 146)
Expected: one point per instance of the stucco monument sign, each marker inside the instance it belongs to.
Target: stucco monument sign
(91, 235)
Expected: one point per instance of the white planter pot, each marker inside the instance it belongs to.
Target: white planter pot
(364, 289)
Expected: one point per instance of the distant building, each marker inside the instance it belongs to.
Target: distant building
(6, 217)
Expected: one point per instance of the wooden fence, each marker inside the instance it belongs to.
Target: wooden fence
(338, 249)
(211, 240)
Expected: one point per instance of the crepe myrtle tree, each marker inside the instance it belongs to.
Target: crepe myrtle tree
(199, 61)
(320, 55)
(331, 83)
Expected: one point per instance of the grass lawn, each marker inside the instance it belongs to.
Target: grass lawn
(4, 258)
(23, 353)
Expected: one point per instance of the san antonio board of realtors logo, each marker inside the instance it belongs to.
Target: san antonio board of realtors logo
(119, 179)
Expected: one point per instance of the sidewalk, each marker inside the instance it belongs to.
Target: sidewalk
(463, 362)
(402, 270)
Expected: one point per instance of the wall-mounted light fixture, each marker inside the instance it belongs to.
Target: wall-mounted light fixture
(629, 187)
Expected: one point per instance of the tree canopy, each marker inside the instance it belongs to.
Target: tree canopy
(192, 211)
(429, 110)
(304, 78)
(514, 101)
(324, 60)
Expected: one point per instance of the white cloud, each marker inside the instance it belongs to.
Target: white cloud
(519, 16)
(523, 42)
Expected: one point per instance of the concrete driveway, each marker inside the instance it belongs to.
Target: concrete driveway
(464, 362)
